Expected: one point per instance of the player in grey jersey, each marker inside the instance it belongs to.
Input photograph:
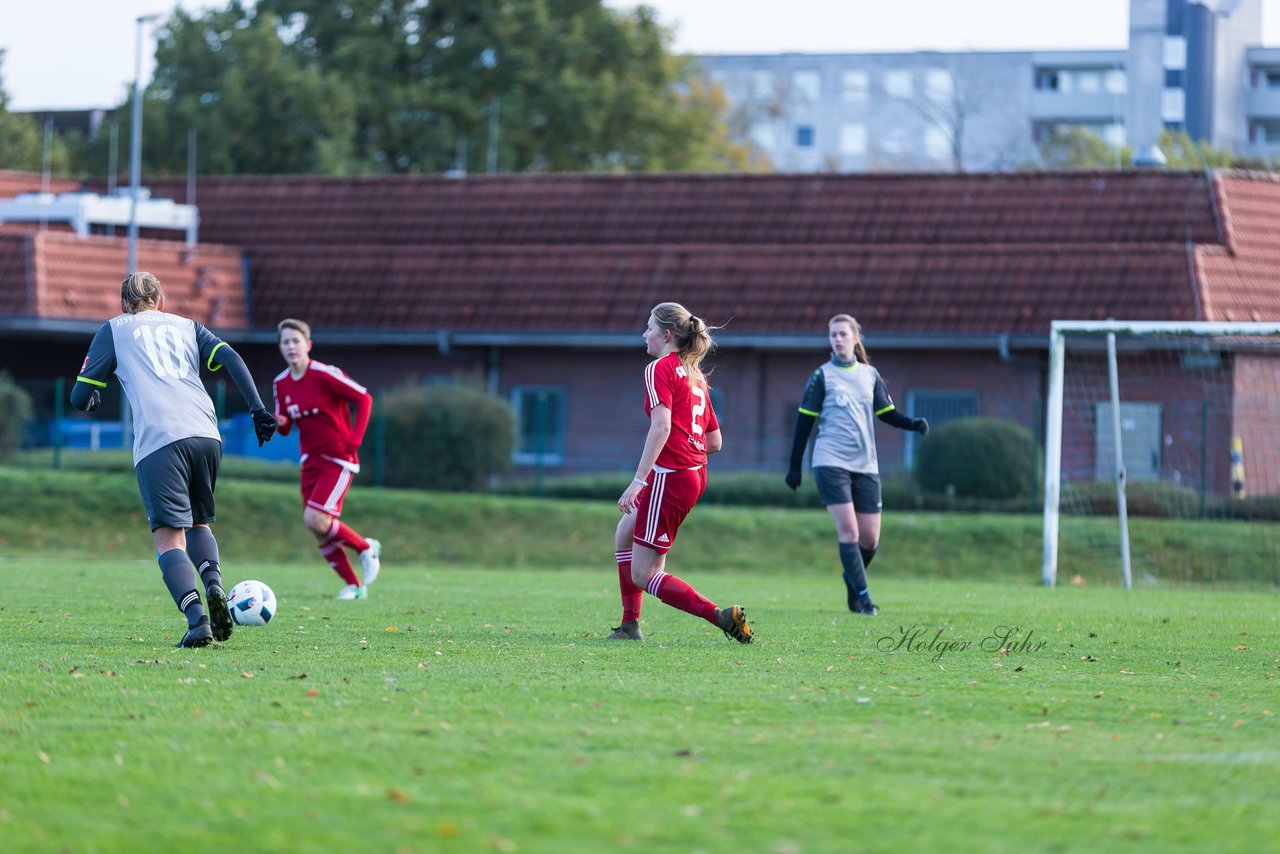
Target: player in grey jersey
(843, 396)
(177, 448)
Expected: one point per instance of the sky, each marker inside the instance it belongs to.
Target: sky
(74, 54)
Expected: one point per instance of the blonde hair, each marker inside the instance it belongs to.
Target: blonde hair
(140, 292)
(859, 351)
(692, 336)
(291, 323)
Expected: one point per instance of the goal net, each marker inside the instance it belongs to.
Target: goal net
(1161, 452)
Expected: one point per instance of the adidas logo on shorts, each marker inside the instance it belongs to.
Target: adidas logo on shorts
(664, 539)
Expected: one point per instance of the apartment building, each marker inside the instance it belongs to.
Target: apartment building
(1191, 65)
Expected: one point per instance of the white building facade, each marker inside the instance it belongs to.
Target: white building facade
(1191, 65)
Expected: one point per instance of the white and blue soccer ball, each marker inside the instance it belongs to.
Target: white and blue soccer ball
(251, 603)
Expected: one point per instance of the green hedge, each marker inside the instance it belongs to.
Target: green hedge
(447, 436)
(15, 409)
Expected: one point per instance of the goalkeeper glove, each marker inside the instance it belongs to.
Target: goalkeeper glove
(264, 425)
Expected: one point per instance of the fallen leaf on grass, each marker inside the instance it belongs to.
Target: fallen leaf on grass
(44, 757)
(247, 675)
(397, 795)
(1241, 648)
(447, 830)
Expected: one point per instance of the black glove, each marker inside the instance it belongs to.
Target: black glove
(95, 400)
(264, 425)
(793, 478)
(920, 425)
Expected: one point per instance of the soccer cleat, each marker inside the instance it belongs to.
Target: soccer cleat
(197, 636)
(866, 607)
(371, 561)
(219, 613)
(351, 591)
(629, 630)
(733, 622)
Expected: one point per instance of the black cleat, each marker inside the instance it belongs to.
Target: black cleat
(733, 622)
(629, 630)
(197, 636)
(219, 614)
(866, 607)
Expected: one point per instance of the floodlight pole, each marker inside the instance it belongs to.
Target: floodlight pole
(135, 149)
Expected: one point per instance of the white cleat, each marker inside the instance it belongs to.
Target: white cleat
(371, 561)
(351, 591)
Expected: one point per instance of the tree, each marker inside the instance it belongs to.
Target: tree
(406, 86)
(1075, 148)
(22, 141)
(254, 106)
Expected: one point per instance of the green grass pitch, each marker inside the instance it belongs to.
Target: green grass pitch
(480, 710)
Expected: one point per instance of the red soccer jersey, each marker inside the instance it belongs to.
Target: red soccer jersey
(692, 416)
(318, 404)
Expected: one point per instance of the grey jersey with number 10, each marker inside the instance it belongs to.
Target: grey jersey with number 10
(846, 401)
(157, 357)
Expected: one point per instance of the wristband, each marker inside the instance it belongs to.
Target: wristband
(639, 481)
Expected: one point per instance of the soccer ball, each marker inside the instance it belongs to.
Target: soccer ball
(251, 603)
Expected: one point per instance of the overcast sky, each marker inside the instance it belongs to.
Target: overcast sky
(67, 54)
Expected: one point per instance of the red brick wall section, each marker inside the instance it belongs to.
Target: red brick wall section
(1257, 413)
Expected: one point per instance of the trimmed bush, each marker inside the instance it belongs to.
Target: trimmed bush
(15, 409)
(977, 458)
(447, 436)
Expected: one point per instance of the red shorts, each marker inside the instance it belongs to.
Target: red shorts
(663, 504)
(325, 484)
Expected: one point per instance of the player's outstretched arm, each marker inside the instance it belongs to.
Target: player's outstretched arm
(225, 356)
(894, 418)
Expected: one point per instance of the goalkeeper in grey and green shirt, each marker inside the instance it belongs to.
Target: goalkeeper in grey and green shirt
(842, 397)
(177, 448)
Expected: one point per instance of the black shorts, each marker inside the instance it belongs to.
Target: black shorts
(177, 482)
(841, 486)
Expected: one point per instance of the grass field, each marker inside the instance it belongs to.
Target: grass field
(480, 710)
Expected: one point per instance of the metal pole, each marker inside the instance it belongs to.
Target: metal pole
(1053, 456)
(1122, 508)
(135, 149)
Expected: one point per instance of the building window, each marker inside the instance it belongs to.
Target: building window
(938, 407)
(939, 85)
(855, 86)
(806, 86)
(1046, 80)
(1174, 78)
(762, 135)
(540, 416)
(1173, 105)
(1117, 82)
(1089, 82)
(896, 142)
(761, 85)
(1175, 52)
(897, 83)
(936, 144)
(804, 136)
(853, 139)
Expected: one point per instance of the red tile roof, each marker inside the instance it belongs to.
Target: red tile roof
(953, 254)
(967, 253)
(12, 183)
(1241, 281)
(53, 275)
(594, 210)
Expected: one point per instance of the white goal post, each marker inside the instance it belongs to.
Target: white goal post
(1101, 336)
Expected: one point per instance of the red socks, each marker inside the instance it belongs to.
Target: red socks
(339, 531)
(336, 557)
(677, 593)
(632, 596)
